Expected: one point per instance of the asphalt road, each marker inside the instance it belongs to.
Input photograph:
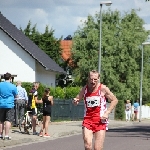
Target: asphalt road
(135, 137)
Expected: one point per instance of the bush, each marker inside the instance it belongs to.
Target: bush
(28, 86)
(57, 93)
(71, 92)
(148, 104)
(120, 110)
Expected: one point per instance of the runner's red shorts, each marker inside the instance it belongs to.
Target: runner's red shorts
(95, 126)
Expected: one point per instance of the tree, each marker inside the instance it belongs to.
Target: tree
(121, 56)
(51, 46)
(46, 41)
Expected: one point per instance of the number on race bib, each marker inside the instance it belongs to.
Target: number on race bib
(93, 101)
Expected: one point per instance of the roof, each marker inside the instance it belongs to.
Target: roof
(23, 41)
(66, 46)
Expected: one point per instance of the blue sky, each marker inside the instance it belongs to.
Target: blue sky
(64, 16)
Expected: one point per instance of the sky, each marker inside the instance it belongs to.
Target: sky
(64, 16)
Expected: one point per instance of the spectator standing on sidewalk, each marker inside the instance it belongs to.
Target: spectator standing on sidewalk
(136, 110)
(8, 93)
(32, 99)
(20, 104)
(128, 110)
(96, 114)
(47, 101)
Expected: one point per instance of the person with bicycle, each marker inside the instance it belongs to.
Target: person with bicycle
(31, 106)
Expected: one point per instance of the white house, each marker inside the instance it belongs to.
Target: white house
(21, 57)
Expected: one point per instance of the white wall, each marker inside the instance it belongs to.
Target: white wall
(15, 60)
(44, 76)
(145, 112)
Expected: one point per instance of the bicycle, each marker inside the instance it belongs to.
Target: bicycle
(27, 122)
(39, 117)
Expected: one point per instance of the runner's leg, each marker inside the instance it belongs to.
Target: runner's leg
(87, 137)
(99, 139)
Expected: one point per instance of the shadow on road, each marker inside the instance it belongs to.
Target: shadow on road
(131, 131)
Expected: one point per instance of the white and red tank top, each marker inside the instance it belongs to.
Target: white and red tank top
(95, 104)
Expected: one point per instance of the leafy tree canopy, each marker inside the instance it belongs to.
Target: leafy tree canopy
(46, 41)
(122, 34)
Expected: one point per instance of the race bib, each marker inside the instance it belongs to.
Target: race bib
(93, 101)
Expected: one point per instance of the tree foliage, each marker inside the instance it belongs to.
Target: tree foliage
(46, 41)
(122, 34)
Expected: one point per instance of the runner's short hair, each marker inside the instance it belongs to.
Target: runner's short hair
(94, 71)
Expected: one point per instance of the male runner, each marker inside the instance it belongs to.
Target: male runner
(96, 114)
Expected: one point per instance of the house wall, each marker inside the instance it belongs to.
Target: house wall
(15, 60)
(46, 77)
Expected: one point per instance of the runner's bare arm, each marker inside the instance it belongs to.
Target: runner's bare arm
(111, 97)
(79, 96)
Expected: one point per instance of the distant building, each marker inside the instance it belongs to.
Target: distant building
(66, 46)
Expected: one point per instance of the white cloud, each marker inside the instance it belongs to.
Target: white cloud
(63, 16)
(147, 26)
(144, 6)
(39, 17)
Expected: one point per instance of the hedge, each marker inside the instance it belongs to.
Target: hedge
(57, 93)
(120, 110)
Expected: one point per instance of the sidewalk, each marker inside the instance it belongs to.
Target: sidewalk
(56, 130)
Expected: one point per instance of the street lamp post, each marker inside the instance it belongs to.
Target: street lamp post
(107, 3)
(141, 82)
(141, 79)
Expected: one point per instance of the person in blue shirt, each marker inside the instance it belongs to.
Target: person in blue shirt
(8, 92)
(20, 103)
(136, 110)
